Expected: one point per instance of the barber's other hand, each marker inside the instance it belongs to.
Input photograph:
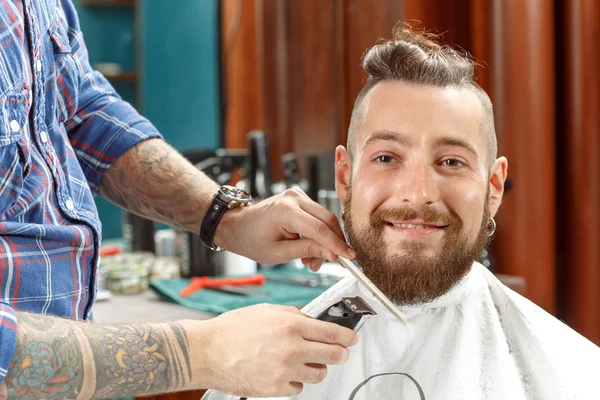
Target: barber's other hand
(271, 350)
(282, 228)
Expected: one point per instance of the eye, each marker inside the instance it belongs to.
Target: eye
(452, 163)
(384, 159)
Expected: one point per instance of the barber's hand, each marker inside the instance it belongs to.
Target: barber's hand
(270, 350)
(282, 228)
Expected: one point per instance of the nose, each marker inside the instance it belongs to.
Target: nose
(418, 186)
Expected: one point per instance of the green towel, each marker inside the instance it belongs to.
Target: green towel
(211, 301)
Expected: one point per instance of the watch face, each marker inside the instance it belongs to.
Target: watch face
(235, 193)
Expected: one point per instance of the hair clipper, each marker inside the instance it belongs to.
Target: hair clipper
(347, 312)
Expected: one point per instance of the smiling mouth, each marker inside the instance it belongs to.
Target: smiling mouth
(415, 225)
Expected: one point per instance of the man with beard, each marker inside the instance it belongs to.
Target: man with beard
(420, 184)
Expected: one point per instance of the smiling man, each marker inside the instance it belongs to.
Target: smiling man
(421, 183)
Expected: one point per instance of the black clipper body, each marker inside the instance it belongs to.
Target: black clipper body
(347, 312)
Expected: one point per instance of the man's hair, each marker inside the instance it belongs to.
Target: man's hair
(416, 57)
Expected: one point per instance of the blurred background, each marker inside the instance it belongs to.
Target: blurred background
(208, 72)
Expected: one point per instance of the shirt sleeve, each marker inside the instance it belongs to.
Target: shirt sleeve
(103, 126)
(8, 337)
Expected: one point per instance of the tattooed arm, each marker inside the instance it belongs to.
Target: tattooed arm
(57, 358)
(152, 179)
(260, 351)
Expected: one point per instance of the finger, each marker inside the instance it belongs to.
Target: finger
(323, 353)
(294, 389)
(327, 332)
(312, 373)
(313, 228)
(306, 261)
(304, 248)
(316, 264)
(320, 212)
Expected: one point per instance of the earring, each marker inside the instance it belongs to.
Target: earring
(492, 228)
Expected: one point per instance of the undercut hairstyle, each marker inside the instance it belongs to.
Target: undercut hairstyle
(418, 58)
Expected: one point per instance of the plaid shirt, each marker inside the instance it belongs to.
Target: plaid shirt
(61, 127)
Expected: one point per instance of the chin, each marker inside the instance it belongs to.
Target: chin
(412, 248)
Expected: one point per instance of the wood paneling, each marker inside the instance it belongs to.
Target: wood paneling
(449, 18)
(309, 54)
(313, 114)
(191, 395)
(273, 45)
(524, 101)
(579, 166)
(362, 24)
(240, 65)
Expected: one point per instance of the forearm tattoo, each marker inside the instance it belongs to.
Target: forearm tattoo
(58, 359)
(152, 179)
(44, 365)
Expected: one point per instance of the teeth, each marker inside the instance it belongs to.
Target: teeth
(410, 226)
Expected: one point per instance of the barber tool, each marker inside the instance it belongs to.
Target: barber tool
(240, 290)
(320, 172)
(366, 282)
(198, 283)
(347, 312)
(259, 169)
(138, 233)
(291, 174)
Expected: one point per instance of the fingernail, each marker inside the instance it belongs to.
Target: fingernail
(355, 340)
(317, 265)
(324, 255)
(352, 253)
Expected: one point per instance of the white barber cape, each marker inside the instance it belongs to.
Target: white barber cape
(479, 341)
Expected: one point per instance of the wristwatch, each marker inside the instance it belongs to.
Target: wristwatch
(226, 198)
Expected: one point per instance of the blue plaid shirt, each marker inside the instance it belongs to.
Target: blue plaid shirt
(61, 127)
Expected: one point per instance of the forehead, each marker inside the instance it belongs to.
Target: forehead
(423, 113)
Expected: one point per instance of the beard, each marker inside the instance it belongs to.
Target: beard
(415, 277)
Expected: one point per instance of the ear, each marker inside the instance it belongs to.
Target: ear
(343, 169)
(497, 178)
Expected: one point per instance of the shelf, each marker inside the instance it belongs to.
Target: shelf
(107, 3)
(122, 77)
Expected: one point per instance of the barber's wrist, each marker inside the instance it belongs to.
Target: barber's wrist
(225, 232)
(204, 357)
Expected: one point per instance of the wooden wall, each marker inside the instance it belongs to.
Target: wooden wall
(293, 68)
(578, 164)
(298, 72)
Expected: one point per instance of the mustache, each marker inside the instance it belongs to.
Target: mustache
(427, 214)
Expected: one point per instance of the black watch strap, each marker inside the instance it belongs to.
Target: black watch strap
(211, 221)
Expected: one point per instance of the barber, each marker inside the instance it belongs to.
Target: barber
(65, 135)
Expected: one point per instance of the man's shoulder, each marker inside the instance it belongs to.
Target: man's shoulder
(528, 324)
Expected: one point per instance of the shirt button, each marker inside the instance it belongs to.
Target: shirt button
(43, 137)
(70, 205)
(15, 126)
(38, 65)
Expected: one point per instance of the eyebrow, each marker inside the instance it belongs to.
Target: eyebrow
(455, 142)
(386, 136)
(402, 138)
